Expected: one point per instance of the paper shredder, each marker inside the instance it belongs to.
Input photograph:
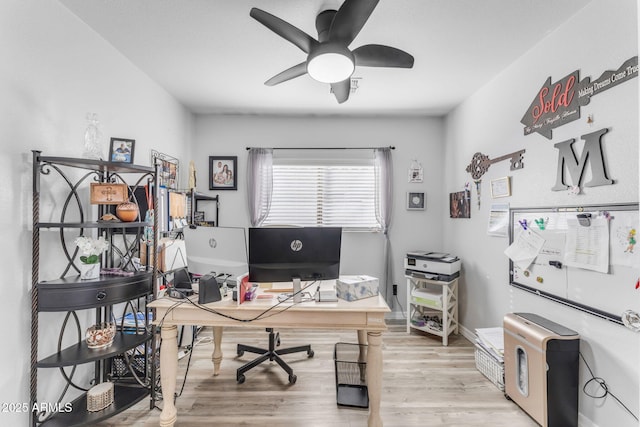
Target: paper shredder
(541, 368)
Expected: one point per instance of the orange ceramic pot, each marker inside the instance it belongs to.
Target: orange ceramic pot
(127, 211)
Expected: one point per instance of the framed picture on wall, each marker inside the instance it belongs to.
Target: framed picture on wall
(460, 204)
(416, 172)
(121, 150)
(415, 201)
(223, 172)
(500, 187)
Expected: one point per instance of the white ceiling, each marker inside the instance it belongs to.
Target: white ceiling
(214, 58)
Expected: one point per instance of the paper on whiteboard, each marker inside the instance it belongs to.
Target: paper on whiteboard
(525, 248)
(588, 246)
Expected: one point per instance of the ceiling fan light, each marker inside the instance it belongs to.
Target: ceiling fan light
(330, 67)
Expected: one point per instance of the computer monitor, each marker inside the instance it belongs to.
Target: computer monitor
(220, 250)
(285, 254)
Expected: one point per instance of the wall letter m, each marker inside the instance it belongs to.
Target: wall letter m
(592, 151)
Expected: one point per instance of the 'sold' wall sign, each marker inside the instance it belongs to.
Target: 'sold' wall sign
(559, 103)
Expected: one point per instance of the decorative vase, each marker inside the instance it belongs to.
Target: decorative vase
(89, 271)
(127, 211)
(101, 335)
(93, 138)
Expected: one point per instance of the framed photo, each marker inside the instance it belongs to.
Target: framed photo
(121, 150)
(223, 173)
(415, 201)
(460, 204)
(500, 187)
(168, 171)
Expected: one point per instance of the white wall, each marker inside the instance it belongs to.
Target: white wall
(414, 138)
(600, 37)
(54, 71)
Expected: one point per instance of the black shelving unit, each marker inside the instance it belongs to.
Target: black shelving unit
(108, 297)
(194, 198)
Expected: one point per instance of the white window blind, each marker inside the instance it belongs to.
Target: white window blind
(324, 193)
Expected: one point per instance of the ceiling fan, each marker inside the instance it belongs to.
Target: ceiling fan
(329, 59)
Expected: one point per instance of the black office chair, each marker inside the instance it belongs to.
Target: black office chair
(270, 354)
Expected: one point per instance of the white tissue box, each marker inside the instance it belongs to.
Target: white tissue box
(351, 288)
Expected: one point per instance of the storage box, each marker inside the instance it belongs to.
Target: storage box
(351, 375)
(490, 367)
(100, 397)
(425, 297)
(108, 193)
(351, 288)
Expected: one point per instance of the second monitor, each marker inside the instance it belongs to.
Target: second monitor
(219, 250)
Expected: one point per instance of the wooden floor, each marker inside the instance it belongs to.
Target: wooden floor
(424, 384)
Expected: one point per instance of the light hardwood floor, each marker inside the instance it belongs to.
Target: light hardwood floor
(424, 384)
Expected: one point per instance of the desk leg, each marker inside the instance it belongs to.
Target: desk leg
(374, 377)
(362, 337)
(168, 373)
(216, 356)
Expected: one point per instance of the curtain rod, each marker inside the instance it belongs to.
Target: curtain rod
(323, 148)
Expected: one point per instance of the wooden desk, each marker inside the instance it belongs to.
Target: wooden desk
(365, 316)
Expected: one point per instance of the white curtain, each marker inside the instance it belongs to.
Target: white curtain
(259, 184)
(384, 204)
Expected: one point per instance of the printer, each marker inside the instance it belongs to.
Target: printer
(432, 265)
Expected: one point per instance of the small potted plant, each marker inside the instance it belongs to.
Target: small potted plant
(90, 250)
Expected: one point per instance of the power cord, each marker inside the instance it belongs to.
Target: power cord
(603, 386)
(262, 315)
(401, 307)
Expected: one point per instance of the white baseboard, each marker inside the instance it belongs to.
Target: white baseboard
(467, 333)
(395, 315)
(585, 422)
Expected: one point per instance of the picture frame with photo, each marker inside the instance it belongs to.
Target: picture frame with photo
(121, 150)
(223, 172)
(416, 201)
(460, 204)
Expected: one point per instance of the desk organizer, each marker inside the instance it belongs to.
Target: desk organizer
(351, 375)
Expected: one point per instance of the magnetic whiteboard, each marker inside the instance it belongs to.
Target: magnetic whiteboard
(607, 295)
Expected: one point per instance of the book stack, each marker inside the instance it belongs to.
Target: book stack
(129, 322)
(491, 340)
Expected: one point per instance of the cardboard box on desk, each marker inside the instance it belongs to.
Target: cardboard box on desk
(351, 288)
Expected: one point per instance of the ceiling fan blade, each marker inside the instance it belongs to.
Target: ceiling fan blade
(341, 90)
(288, 74)
(377, 55)
(350, 19)
(285, 30)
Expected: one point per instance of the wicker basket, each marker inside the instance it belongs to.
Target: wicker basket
(490, 367)
(100, 397)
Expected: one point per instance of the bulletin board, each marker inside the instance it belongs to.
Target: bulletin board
(588, 258)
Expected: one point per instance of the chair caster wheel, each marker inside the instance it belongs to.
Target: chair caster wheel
(240, 379)
(292, 379)
(310, 353)
(240, 353)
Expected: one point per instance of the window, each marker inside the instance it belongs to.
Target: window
(331, 192)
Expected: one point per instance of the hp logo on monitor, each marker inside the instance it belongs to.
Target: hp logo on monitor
(296, 245)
